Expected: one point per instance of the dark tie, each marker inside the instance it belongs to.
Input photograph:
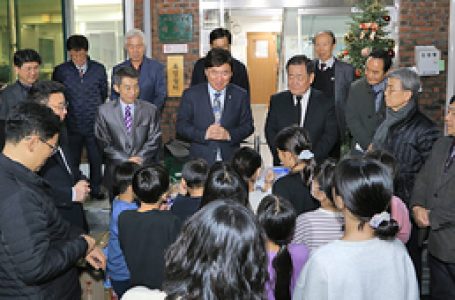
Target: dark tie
(128, 118)
(217, 107)
(81, 72)
(298, 110)
(322, 66)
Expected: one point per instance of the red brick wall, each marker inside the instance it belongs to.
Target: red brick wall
(425, 23)
(171, 7)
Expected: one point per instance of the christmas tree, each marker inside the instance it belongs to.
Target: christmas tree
(366, 32)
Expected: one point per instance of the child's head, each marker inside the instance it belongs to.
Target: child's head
(364, 187)
(150, 183)
(293, 145)
(321, 187)
(224, 183)
(384, 157)
(123, 176)
(247, 163)
(277, 217)
(194, 173)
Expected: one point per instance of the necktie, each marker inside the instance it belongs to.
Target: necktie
(81, 72)
(128, 119)
(322, 66)
(298, 110)
(217, 107)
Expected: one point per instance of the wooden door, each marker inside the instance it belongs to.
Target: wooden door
(262, 65)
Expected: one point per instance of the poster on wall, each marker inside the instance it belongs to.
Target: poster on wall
(174, 75)
(175, 28)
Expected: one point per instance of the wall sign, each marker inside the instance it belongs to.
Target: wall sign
(175, 28)
(174, 75)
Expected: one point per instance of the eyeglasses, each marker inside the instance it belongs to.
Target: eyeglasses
(53, 148)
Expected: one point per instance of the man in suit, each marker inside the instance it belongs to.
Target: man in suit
(85, 83)
(27, 66)
(304, 106)
(434, 210)
(69, 187)
(152, 80)
(365, 106)
(215, 116)
(222, 38)
(333, 77)
(128, 129)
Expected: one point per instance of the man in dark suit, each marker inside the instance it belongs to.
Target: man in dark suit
(304, 106)
(68, 186)
(128, 129)
(152, 80)
(333, 77)
(26, 65)
(221, 38)
(434, 210)
(365, 106)
(215, 116)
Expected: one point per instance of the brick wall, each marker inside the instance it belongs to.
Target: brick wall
(422, 23)
(171, 7)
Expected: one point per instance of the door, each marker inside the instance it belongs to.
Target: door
(262, 64)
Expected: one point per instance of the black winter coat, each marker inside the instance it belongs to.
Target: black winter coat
(410, 141)
(38, 250)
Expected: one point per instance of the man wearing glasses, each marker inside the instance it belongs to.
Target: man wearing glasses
(215, 116)
(38, 250)
(69, 187)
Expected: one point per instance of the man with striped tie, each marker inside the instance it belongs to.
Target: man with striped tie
(127, 129)
(215, 116)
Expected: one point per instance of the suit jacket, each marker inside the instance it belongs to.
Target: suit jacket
(195, 115)
(320, 122)
(239, 74)
(61, 183)
(344, 75)
(361, 117)
(118, 146)
(435, 190)
(152, 82)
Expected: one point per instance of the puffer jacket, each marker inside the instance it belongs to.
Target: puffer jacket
(410, 141)
(38, 249)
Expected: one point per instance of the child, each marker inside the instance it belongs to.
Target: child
(398, 209)
(277, 217)
(146, 233)
(194, 175)
(117, 270)
(325, 224)
(368, 262)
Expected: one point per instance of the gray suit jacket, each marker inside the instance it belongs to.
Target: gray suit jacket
(344, 75)
(435, 190)
(10, 97)
(361, 118)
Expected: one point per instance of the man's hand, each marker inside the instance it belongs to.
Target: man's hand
(135, 159)
(81, 188)
(96, 258)
(217, 132)
(90, 242)
(421, 216)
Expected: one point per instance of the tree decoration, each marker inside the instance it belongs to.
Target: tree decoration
(367, 32)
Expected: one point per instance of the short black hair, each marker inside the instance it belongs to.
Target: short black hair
(385, 157)
(77, 42)
(29, 118)
(217, 57)
(150, 183)
(220, 33)
(452, 99)
(329, 33)
(301, 59)
(24, 56)
(195, 173)
(123, 176)
(124, 71)
(42, 89)
(384, 55)
(246, 161)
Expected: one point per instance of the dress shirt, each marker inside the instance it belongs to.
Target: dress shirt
(304, 105)
(124, 105)
(212, 92)
(328, 63)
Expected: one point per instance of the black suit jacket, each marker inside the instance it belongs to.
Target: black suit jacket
(195, 115)
(320, 122)
(61, 182)
(239, 74)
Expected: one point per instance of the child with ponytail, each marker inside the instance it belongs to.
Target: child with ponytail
(277, 218)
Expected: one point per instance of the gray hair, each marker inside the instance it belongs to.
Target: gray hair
(132, 33)
(409, 79)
